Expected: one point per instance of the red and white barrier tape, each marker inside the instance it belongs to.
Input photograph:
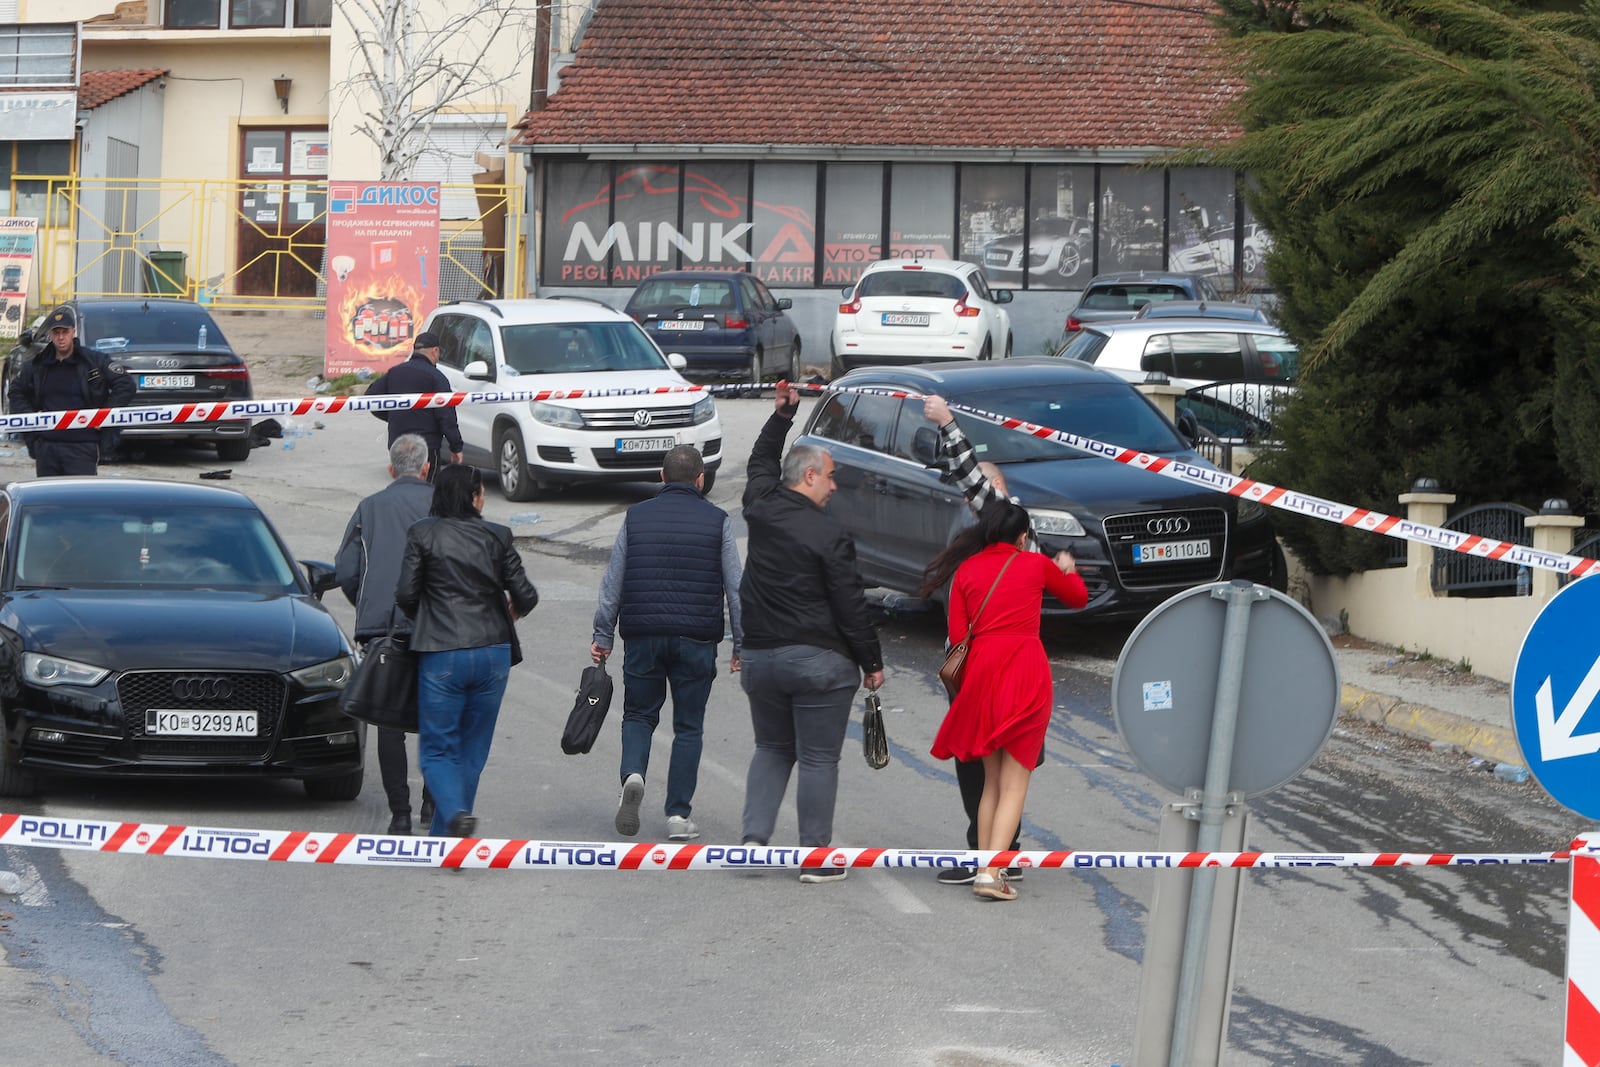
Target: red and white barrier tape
(1206, 477)
(1583, 956)
(383, 850)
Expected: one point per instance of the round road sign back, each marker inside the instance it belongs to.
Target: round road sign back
(1165, 689)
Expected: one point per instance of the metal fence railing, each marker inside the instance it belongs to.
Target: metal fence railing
(242, 244)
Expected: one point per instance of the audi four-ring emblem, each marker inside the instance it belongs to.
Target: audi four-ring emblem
(641, 417)
(201, 688)
(1167, 525)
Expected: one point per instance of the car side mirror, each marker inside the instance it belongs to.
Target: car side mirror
(677, 361)
(925, 445)
(25, 338)
(1189, 426)
(1001, 296)
(320, 575)
(845, 291)
(784, 303)
(478, 370)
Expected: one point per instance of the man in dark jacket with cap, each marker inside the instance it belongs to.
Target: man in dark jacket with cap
(66, 376)
(421, 374)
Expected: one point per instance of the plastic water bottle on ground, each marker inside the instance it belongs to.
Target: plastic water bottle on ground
(523, 518)
(10, 883)
(1510, 772)
(1524, 581)
(288, 446)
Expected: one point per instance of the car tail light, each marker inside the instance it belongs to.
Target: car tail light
(963, 311)
(228, 372)
(1073, 325)
(733, 322)
(850, 308)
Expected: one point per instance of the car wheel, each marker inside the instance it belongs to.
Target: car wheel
(836, 368)
(988, 349)
(15, 780)
(796, 369)
(1010, 345)
(1252, 260)
(705, 486)
(754, 375)
(234, 450)
(1070, 261)
(516, 480)
(335, 786)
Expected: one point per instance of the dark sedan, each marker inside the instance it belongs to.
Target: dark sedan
(163, 630)
(1138, 537)
(176, 354)
(720, 322)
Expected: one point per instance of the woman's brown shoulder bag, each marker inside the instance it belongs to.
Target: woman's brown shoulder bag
(955, 661)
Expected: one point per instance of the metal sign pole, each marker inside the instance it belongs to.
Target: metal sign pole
(1240, 596)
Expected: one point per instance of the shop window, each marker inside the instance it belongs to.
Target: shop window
(246, 14)
(783, 223)
(922, 211)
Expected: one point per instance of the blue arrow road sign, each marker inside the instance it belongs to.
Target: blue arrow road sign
(1553, 691)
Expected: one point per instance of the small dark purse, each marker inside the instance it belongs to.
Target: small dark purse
(955, 661)
(384, 689)
(874, 740)
(588, 710)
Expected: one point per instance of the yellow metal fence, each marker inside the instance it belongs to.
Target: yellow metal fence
(245, 245)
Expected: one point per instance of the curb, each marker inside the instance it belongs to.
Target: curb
(1497, 743)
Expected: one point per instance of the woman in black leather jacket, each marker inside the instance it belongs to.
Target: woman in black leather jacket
(462, 582)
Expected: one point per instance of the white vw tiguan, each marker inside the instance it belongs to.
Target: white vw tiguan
(568, 343)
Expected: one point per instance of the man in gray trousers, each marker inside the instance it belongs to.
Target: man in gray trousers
(809, 642)
(367, 568)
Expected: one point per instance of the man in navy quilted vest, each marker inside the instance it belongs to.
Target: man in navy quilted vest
(673, 567)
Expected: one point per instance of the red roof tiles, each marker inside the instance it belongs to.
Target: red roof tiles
(1002, 74)
(102, 86)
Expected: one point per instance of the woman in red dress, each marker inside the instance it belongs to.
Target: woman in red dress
(1003, 709)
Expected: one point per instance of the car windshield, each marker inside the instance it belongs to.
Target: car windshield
(154, 324)
(576, 347)
(908, 282)
(95, 546)
(684, 293)
(1111, 412)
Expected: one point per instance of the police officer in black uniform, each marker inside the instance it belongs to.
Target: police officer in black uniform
(66, 376)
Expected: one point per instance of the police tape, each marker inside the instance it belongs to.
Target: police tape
(384, 850)
(1203, 476)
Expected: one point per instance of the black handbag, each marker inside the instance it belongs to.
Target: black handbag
(588, 710)
(874, 740)
(384, 689)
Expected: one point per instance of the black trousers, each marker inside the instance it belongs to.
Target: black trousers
(393, 768)
(55, 458)
(970, 777)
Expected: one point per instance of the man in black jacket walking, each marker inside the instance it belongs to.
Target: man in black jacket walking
(367, 566)
(808, 637)
(66, 376)
(421, 374)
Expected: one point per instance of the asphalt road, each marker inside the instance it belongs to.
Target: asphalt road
(172, 961)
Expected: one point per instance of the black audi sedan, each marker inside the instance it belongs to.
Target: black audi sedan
(163, 630)
(176, 354)
(1138, 537)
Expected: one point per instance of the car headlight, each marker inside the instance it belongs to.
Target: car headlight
(1056, 524)
(556, 415)
(1250, 511)
(703, 411)
(331, 674)
(41, 669)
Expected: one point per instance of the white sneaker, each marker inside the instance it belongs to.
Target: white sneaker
(681, 828)
(628, 806)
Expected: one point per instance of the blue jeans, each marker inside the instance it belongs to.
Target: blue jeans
(800, 699)
(458, 701)
(649, 665)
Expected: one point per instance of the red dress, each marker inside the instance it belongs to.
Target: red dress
(1006, 692)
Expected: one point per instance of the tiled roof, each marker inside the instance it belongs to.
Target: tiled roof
(102, 86)
(1014, 74)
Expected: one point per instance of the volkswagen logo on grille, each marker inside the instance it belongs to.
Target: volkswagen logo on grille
(1167, 525)
(202, 688)
(642, 417)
